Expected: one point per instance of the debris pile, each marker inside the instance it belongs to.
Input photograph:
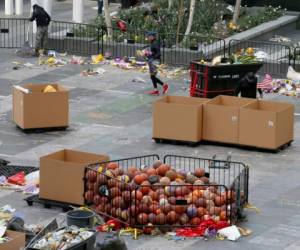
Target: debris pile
(63, 238)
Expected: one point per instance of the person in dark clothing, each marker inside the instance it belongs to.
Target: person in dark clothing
(100, 7)
(247, 86)
(153, 57)
(42, 19)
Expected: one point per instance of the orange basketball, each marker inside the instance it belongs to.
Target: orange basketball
(138, 195)
(171, 174)
(145, 189)
(162, 169)
(201, 211)
(172, 217)
(199, 172)
(151, 171)
(195, 221)
(153, 195)
(112, 165)
(142, 218)
(219, 200)
(161, 219)
(138, 179)
(153, 208)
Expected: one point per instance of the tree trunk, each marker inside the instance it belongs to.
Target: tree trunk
(191, 17)
(180, 16)
(107, 18)
(170, 4)
(236, 11)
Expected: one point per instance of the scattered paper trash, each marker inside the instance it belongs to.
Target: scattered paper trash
(77, 60)
(7, 208)
(292, 74)
(280, 39)
(52, 53)
(2, 230)
(33, 178)
(30, 189)
(26, 91)
(231, 233)
(97, 59)
(261, 55)
(3, 180)
(100, 71)
(139, 80)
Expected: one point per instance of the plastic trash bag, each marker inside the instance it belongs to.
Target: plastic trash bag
(292, 74)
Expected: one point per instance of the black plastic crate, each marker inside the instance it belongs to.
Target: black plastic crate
(114, 197)
(210, 81)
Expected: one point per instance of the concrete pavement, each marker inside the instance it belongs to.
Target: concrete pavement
(110, 114)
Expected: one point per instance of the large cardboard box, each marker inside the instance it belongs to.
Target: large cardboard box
(221, 118)
(178, 118)
(40, 110)
(17, 241)
(62, 175)
(266, 124)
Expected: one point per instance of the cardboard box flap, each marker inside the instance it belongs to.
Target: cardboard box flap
(17, 241)
(74, 157)
(230, 101)
(268, 106)
(38, 88)
(183, 100)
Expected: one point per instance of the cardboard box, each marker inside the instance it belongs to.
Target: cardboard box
(221, 118)
(40, 110)
(17, 241)
(178, 118)
(62, 175)
(266, 124)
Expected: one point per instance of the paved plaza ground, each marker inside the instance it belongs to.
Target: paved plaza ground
(111, 114)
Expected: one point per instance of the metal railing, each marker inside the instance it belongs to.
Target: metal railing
(296, 58)
(276, 57)
(14, 32)
(88, 39)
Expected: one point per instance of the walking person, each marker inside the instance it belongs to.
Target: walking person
(42, 19)
(153, 56)
(247, 86)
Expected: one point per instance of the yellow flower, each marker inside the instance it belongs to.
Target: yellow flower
(232, 26)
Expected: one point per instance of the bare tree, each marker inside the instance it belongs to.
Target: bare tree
(237, 9)
(107, 18)
(170, 4)
(180, 16)
(191, 17)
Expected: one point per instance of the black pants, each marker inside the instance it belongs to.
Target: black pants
(153, 73)
(156, 81)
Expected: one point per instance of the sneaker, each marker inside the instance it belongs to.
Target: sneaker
(154, 92)
(165, 88)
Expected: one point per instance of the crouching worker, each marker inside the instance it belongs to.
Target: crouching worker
(153, 56)
(42, 19)
(247, 86)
